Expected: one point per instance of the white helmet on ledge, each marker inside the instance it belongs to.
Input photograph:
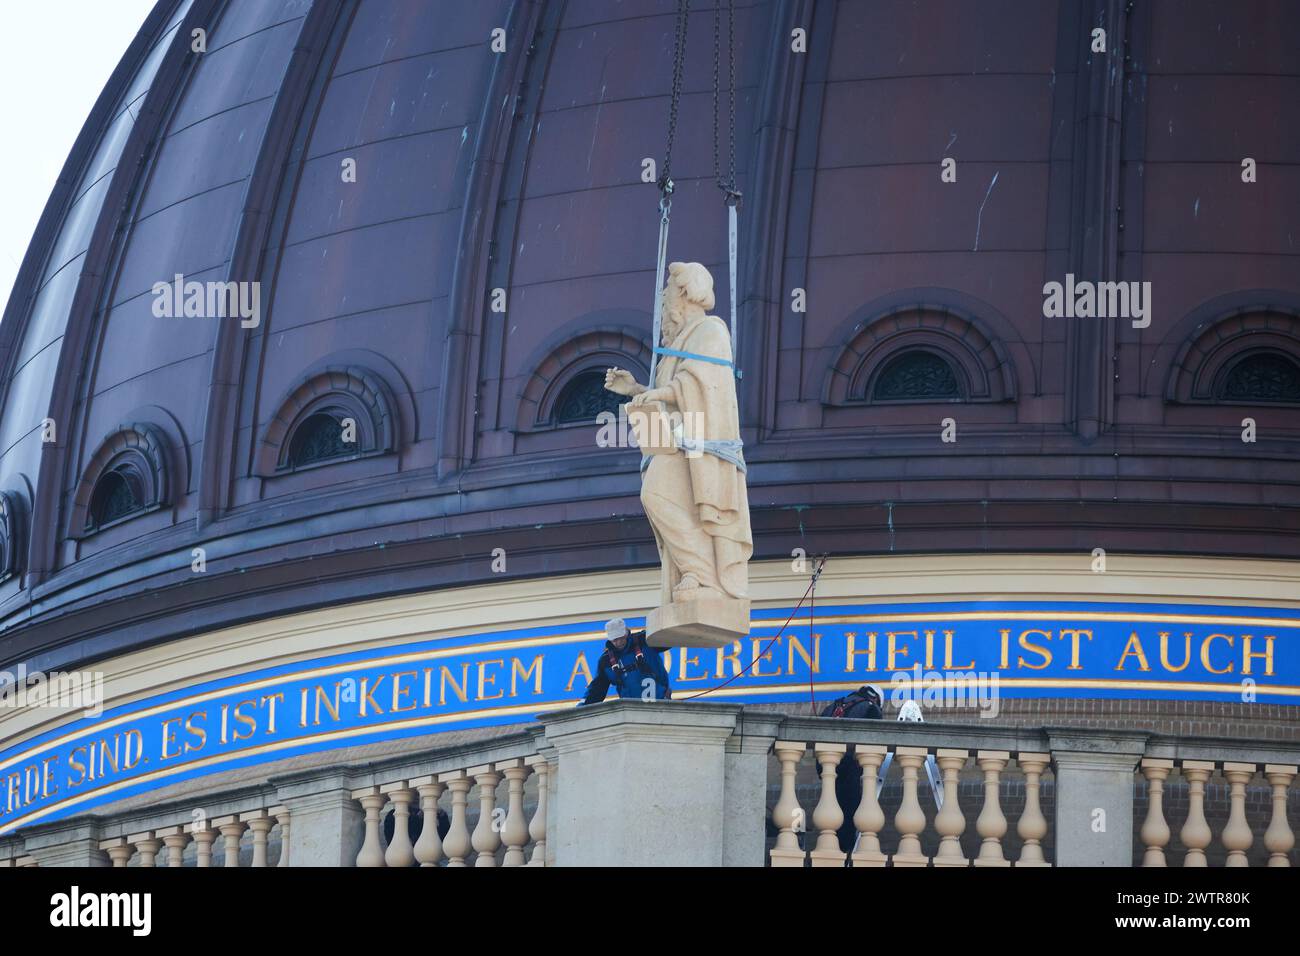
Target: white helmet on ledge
(911, 712)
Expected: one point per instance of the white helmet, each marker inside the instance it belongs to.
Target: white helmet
(911, 712)
(616, 628)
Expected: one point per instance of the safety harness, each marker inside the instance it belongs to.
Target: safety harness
(614, 657)
(841, 706)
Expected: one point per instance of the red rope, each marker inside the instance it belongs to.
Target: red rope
(812, 639)
(757, 657)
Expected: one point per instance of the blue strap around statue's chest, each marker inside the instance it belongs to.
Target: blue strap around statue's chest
(691, 355)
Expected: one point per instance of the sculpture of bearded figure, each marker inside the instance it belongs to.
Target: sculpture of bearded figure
(696, 498)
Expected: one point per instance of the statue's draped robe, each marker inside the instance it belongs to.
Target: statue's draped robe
(698, 506)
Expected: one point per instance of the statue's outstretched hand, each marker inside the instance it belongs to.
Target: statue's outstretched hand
(620, 382)
(646, 395)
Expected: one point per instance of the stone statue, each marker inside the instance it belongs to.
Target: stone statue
(693, 490)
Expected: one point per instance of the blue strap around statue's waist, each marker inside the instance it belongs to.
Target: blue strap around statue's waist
(692, 355)
(730, 450)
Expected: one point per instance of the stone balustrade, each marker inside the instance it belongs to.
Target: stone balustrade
(330, 817)
(907, 764)
(689, 783)
(490, 794)
(237, 828)
(482, 791)
(220, 838)
(1094, 776)
(1195, 834)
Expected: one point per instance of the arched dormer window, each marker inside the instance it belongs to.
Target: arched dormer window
(126, 477)
(1246, 357)
(117, 494)
(10, 529)
(917, 355)
(334, 415)
(321, 436)
(567, 385)
(1262, 378)
(916, 375)
(583, 398)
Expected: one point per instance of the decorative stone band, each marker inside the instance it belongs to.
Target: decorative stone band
(965, 654)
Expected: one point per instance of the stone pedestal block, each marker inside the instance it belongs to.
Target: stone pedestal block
(708, 622)
(327, 823)
(70, 842)
(644, 784)
(1094, 796)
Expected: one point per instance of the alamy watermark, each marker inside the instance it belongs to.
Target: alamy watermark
(208, 300)
(70, 690)
(74, 908)
(973, 689)
(1098, 300)
(647, 427)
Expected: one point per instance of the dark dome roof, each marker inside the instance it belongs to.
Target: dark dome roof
(521, 170)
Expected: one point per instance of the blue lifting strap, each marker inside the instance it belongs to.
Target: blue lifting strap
(692, 355)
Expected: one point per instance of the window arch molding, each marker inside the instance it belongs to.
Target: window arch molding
(979, 360)
(135, 453)
(12, 527)
(1212, 349)
(580, 354)
(341, 392)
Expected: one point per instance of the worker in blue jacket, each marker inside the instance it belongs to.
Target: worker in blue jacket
(630, 665)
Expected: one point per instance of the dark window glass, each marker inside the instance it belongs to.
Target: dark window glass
(914, 376)
(1264, 377)
(319, 438)
(116, 495)
(585, 397)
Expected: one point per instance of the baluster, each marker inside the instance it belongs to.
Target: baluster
(203, 840)
(515, 831)
(232, 829)
(118, 850)
(1032, 825)
(1236, 836)
(147, 846)
(174, 838)
(787, 814)
(428, 848)
(827, 815)
(1195, 833)
(457, 844)
(949, 821)
(992, 822)
(486, 838)
(537, 826)
(1278, 838)
(1155, 829)
(869, 819)
(400, 852)
(910, 818)
(281, 815)
(372, 847)
(259, 823)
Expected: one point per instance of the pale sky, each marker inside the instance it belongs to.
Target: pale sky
(55, 57)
